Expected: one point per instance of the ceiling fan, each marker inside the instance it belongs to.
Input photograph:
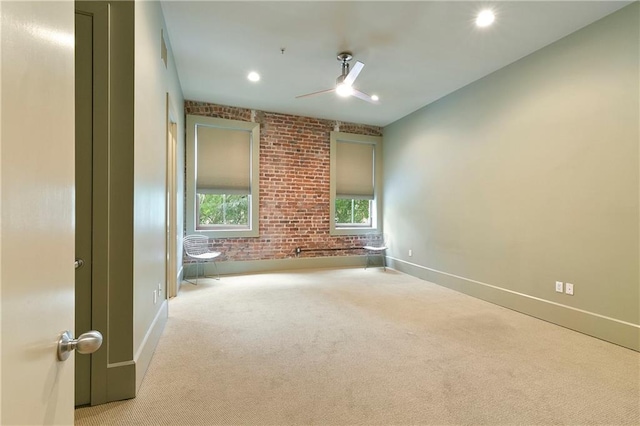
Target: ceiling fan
(344, 82)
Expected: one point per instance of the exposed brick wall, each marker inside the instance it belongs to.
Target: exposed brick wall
(294, 186)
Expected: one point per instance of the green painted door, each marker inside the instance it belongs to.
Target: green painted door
(84, 184)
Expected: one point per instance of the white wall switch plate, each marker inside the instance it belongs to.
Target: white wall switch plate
(559, 286)
(569, 289)
(410, 252)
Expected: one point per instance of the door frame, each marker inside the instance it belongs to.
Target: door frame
(173, 285)
(113, 370)
(100, 192)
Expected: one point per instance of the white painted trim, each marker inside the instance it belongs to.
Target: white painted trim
(516, 293)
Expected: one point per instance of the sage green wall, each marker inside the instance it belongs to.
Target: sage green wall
(528, 176)
(152, 83)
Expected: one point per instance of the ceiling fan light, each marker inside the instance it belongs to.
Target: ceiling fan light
(344, 90)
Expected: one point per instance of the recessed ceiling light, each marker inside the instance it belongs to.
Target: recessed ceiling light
(375, 98)
(485, 18)
(253, 76)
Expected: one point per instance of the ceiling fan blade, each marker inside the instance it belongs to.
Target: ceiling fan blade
(361, 95)
(316, 93)
(353, 74)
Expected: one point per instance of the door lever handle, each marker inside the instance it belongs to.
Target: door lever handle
(79, 263)
(86, 343)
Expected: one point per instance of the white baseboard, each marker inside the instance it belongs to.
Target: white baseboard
(606, 328)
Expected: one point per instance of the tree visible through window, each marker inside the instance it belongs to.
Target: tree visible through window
(223, 209)
(353, 212)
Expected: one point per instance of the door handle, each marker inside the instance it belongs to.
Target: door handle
(86, 343)
(79, 263)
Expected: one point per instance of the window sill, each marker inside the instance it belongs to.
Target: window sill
(228, 233)
(353, 231)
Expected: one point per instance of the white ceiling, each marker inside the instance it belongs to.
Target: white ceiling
(414, 52)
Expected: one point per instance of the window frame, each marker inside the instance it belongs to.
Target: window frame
(191, 199)
(376, 203)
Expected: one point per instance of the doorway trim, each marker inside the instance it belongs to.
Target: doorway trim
(113, 370)
(172, 237)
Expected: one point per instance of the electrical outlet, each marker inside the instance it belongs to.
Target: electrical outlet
(569, 289)
(410, 252)
(559, 286)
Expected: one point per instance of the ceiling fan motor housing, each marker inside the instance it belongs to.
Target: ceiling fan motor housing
(344, 59)
(345, 56)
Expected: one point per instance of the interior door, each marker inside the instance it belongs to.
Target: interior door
(37, 205)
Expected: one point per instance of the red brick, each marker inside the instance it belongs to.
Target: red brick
(294, 186)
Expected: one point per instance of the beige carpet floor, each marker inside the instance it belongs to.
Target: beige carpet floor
(368, 347)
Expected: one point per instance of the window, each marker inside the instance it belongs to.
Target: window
(355, 183)
(351, 212)
(227, 210)
(222, 177)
